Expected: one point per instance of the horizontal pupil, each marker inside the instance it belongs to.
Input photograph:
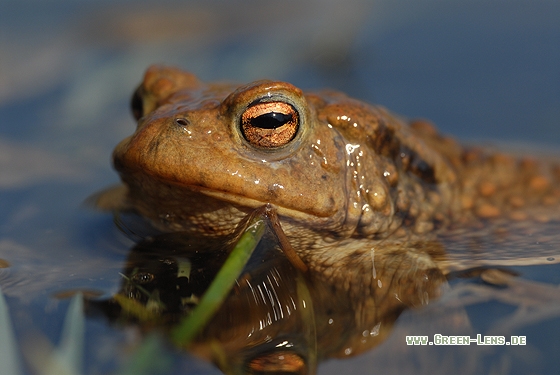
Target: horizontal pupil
(271, 120)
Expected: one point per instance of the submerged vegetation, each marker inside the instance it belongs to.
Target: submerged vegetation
(152, 354)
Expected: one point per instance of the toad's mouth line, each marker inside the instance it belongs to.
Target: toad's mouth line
(244, 201)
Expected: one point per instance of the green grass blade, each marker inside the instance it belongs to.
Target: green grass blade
(221, 285)
(71, 348)
(66, 359)
(9, 356)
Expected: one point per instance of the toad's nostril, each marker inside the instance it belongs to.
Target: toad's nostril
(182, 121)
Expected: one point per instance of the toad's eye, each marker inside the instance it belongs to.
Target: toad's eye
(269, 124)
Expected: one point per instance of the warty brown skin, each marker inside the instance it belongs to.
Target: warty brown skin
(362, 194)
(353, 170)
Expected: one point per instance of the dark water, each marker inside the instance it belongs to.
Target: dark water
(479, 70)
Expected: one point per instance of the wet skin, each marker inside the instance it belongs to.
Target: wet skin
(379, 208)
(345, 177)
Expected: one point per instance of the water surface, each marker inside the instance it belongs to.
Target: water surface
(479, 70)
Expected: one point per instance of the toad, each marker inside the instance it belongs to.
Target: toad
(352, 183)
(378, 208)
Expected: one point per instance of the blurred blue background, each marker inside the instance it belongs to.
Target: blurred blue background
(481, 70)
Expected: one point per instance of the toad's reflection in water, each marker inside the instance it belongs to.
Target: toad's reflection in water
(280, 319)
(277, 318)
